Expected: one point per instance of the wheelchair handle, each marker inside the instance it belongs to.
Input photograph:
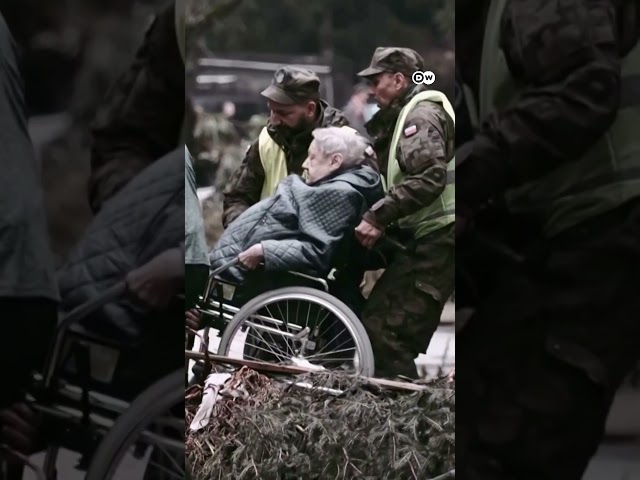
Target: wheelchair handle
(394, 243)
(112, 294)
(225, 266)
(498, 248)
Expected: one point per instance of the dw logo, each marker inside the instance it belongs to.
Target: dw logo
(425, 78)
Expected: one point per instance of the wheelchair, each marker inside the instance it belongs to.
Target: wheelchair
(288, 318)
(116, 437)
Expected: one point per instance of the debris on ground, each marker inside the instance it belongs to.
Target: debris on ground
(268, 429)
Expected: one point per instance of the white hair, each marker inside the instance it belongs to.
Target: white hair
(348, 143)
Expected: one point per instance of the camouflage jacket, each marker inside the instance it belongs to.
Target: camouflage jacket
(423, 157)
(245, 187)
(568, 54)
(142, 116)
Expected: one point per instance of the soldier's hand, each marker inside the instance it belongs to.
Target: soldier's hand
(193, 318)
(367, 234)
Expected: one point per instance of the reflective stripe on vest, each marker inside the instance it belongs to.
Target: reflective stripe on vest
(440, 212)
(274, 163)
(605, 177)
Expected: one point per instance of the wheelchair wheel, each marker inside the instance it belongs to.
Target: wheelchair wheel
(155, 419)
(299, 326)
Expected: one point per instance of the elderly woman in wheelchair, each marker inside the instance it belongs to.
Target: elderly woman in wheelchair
(285, 274)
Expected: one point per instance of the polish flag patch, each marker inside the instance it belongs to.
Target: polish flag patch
(409, 131)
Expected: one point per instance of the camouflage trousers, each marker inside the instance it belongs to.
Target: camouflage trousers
(405, 305)
(538, 365)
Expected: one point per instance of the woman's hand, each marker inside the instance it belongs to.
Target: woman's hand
(156, 282)
(252, 257)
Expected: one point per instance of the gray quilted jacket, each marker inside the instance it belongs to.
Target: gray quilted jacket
(145, 218)
(302, 227)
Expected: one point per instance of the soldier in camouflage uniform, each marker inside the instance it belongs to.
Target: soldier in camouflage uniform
(255, 124)
(405, 305)
(203, 134)
(553, 336)
(142, 116)
(219, 148)
(296, 109)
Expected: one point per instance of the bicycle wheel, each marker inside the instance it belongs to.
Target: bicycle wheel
(160, 406)
(299, 326)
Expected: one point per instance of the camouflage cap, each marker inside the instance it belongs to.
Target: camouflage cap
(291, 85)
(393, 59)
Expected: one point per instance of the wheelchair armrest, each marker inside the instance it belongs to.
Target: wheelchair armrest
(321, 281)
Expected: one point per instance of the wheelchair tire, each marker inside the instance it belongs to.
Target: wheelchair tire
(331, 303)
(166, 393)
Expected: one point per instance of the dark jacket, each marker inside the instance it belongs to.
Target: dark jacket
(301, 227)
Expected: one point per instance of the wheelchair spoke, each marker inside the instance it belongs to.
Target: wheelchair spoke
(271, 351)
(317, 316)
(279, 355)
(157, 468)
(316, 327)
(278, 330)
(327, 329)
(317, 355)
(178, 468)
(289, 347)
(308, 313)
(333, 340)
(319, 326)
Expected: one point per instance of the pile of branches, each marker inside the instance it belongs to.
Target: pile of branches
(269, 430)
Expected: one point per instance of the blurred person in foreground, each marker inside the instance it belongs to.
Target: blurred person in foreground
(308, 222)
(281, 148)
(196, 260)
(355, 109)
(28, 291)
(552, 174)
(142, 118)
(196, 252)
(413, 136)
(137, 235)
